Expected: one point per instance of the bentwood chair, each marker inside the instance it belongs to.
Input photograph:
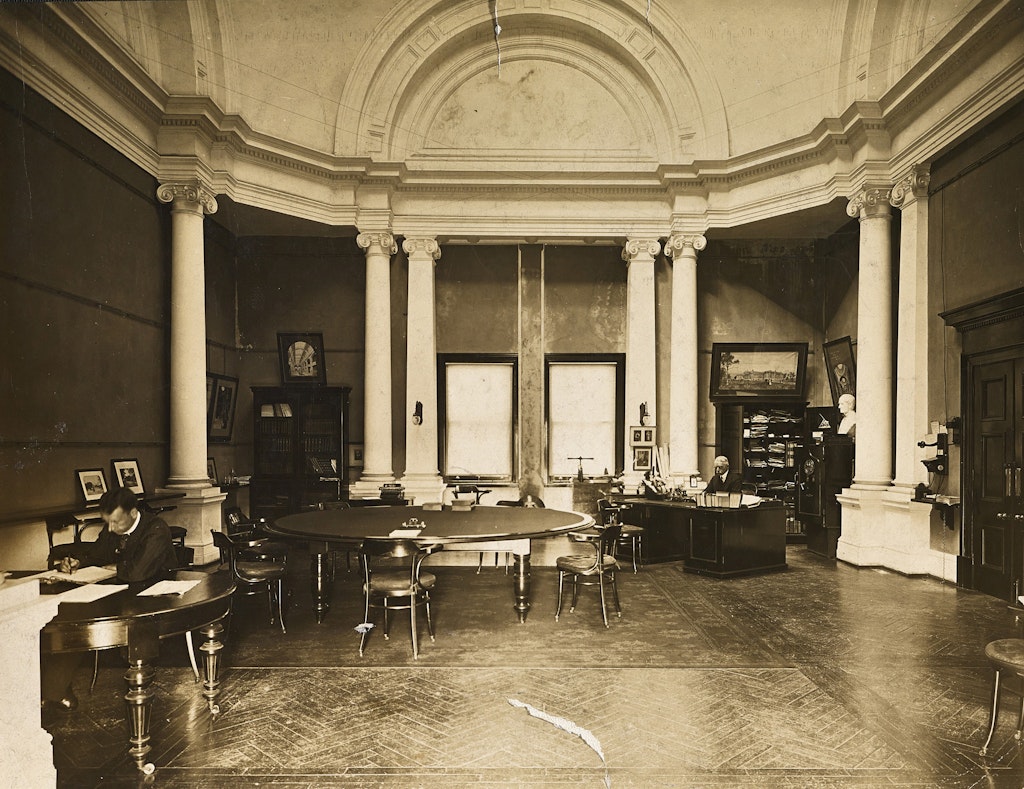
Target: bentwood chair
(256, 572)
(1007, 657)
(596, 567)
(525, 501)
(392, 573)
(631, 535)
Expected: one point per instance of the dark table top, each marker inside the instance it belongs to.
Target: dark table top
(480, 524)
(108, 622)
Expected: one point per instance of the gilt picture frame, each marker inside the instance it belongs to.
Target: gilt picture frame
(841, 368)
(92, 482)
(764, 370)
(221, 408)
(302, 358)
(127, 475)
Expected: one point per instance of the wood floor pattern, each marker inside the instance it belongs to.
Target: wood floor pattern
(821, 676)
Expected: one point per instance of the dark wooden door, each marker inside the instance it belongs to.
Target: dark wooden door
(994, 512)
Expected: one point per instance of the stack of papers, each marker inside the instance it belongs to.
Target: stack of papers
(168, 587)
(83, 575)
(404, 533)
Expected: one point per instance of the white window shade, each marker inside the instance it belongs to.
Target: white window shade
(581, 418)
(479, 425)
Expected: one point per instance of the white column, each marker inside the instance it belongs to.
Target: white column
(200, 511)
(683, 442)
(641, 353)
(422, 481)
(377, 455)
(910, 195)
(188, 332)
(873, 445)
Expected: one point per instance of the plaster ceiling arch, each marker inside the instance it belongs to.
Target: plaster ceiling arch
(426, 38)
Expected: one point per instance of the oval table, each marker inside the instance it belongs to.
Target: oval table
(515, 527)
(124, 619)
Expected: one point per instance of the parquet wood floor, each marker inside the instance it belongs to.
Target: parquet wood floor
(821, 676)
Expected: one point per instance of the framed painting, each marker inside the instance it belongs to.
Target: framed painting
(842, 373)
(640, 436)
(302, 357)
(127, 475)
(211, 470)
(642, 458)
(92, 482)
(765, 370)
(222, 407)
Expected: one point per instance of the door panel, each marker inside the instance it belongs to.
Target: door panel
(995, 533)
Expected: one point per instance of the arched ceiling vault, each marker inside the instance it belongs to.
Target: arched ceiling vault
(621, 80)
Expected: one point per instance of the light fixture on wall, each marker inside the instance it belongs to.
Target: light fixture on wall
(417, 413)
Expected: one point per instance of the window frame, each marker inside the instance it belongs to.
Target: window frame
(619, 360)
(443, 360)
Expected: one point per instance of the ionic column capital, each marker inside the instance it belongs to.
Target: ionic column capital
(684, 243)
(186, 196)
(641, 248)
(871, 202)
(422, 246)
(912, 188)
(384, 240)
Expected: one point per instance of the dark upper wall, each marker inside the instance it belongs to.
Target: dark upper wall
(83, 307)
(976, 215)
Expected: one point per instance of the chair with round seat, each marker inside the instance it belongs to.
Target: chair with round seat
(599, 567)
(1007, 657)
(392, 571)
(255, 572)
(631, 534)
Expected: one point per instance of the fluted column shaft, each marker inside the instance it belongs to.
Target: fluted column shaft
(421, 469)
(683, 442)
(377, 444)
(873, 448)
(188, 332)
(911, 196)
(641, 351)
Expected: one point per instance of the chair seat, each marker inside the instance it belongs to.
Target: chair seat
(393, 584)
(584, 564)
(264, 550)
(260, 571)
(630, 529)
(1007, 653)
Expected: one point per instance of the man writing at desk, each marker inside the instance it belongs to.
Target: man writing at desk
(139, 544)
(724, 480)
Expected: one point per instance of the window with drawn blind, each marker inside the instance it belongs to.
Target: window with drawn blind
(584, 415)
(479, 422)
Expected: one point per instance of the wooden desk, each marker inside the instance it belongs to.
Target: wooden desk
(711, 540)
(124, 619)
(447, 527)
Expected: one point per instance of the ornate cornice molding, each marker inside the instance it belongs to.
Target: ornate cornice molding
(192, 194)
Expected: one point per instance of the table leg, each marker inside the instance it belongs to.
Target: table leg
(320, 581)
(521, 583)
(139, 702)
(211, 650)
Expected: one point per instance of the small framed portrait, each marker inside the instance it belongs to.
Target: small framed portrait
(92, 482)
(211, 470)
(641, 436)
(355, 455)
(221, 406)
(842, 373)
(302, 357)
(641, 458)
(127, 475)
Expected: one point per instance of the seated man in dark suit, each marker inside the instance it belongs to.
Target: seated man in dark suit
(724, 480)
(139, 544)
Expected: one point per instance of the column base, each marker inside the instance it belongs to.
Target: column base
(200, 512)
(884, 527)
(423, 487)
(368, 485)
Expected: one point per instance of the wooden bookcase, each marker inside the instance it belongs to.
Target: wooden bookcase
(300, 447)
(764, 440)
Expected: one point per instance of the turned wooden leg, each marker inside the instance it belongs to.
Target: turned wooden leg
(320, 582)
(139, 703)
(521, 583)
(211, 650)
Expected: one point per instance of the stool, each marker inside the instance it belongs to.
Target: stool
(1006, 654)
